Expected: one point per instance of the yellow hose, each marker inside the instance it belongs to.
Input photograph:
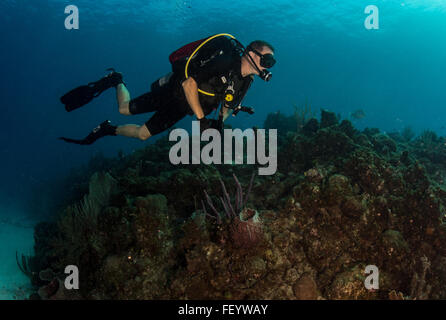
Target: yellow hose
(198, 48)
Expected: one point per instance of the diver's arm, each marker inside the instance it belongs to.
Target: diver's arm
(191, 91)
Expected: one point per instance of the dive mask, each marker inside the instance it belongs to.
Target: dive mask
(266, 61)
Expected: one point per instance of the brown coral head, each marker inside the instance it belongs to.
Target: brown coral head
(246, 234)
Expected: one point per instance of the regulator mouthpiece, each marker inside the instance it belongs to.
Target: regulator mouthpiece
(265, 75)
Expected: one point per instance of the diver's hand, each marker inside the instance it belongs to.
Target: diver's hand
(204, 124)
(210, 124)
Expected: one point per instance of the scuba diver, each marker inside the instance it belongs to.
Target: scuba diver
(207, 73)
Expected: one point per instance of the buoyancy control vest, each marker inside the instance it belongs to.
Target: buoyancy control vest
(199, 53)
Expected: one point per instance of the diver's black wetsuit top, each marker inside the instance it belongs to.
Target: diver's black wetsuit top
(169, 100)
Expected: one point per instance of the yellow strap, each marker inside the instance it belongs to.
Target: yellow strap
(198, 48)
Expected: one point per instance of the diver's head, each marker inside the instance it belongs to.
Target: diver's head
(258, 58)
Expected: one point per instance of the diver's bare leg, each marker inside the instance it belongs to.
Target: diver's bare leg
(134, 131)
(129, 130)
(123, 97)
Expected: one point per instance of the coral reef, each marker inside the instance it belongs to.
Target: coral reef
(342, 199)
(242, 224)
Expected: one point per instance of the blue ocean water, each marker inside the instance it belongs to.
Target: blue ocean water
(325, 55)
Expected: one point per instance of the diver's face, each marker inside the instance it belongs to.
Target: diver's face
(257, 56)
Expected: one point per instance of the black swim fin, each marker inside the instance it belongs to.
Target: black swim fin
(104, 129)
(82, 95)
